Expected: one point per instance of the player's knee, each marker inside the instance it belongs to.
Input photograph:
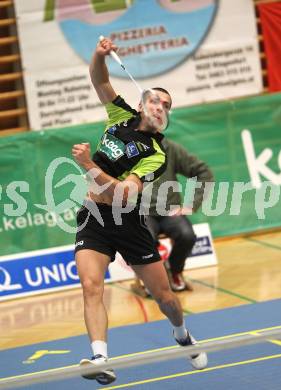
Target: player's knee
(165, 297)
(91, 288)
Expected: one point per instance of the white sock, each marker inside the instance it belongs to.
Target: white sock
(180, 332)
(99, 347)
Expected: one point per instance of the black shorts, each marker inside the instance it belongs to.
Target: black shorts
(131, 238)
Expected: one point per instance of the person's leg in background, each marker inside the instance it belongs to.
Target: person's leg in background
(92, 266)
(179, 229)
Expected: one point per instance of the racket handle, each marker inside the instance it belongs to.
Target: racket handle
(113, 54)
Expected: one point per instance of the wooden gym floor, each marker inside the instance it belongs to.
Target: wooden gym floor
(248, 271)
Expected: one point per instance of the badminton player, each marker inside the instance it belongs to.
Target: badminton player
(129, 154)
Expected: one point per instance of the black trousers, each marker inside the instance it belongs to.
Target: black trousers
(180, 230)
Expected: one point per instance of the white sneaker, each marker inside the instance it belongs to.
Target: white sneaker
(105, 376)
(199, 361)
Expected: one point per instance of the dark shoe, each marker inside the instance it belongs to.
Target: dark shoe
(199, 361)
(105, 376)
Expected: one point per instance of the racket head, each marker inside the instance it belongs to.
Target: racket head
(155, 109)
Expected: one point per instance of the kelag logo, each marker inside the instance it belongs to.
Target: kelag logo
(112, 147)
(153, 36)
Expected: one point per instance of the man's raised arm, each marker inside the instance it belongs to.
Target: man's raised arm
(99, 72)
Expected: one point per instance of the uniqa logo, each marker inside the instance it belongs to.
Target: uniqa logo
(6, 282)
(116, 151)
(57, 273)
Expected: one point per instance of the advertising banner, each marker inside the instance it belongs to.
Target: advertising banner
(54, 269)
(241, 142)
(158, 42)
(42, 188)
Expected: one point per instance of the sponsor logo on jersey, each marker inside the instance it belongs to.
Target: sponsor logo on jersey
(112, 130)
(132, 150)
(113, 147)
(142, 147)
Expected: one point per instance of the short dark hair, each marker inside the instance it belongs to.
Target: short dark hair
(162, 90)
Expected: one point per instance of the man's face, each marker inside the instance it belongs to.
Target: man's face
(156, 109)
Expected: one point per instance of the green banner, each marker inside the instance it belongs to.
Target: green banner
(32, 167)
(240, 141)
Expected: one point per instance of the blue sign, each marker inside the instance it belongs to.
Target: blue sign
(36, 273)
(152, 38)
(202, 247)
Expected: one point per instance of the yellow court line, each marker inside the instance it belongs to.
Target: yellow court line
(276, 342)
(146, 352)
(37, 372)
(162, 378)
(199, 342)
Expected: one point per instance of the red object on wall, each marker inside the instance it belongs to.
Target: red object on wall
(270, 15)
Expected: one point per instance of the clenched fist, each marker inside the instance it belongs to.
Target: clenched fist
(82, 155)
(105, 46)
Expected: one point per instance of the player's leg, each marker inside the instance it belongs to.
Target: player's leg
(92, 266)
(141, 253)
(155, 279)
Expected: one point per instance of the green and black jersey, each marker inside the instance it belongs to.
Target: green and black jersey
(124, 149)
